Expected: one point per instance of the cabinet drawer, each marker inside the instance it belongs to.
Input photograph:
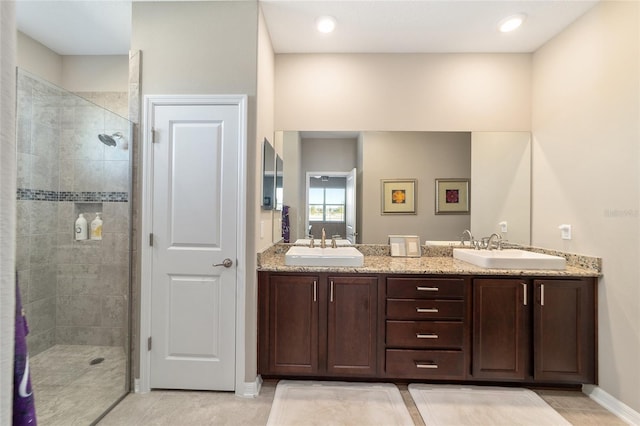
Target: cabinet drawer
(425, 364)
(425, 334)
(425, 288)
(425, 309)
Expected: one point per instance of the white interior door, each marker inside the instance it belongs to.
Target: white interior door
(350, 207)
(194, 215)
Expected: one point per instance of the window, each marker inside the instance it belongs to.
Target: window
(326, 204)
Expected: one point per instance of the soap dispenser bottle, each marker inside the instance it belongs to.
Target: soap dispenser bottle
(96, 228)
(81, 228)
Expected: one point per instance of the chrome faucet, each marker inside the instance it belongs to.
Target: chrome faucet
(466, 232)
(498, 241)
(323, 241)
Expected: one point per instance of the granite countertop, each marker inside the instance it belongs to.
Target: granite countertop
(433, 261)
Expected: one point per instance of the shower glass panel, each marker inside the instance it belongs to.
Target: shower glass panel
(75, 292)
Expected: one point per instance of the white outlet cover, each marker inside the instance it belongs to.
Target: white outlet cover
(565, 231)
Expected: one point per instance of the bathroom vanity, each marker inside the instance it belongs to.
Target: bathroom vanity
(429, 318)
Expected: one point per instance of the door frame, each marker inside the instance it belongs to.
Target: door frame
(242, 388)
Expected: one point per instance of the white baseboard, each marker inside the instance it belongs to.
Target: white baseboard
(250, 389)
(617, 407)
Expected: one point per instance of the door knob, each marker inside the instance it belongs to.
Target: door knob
(226, 263)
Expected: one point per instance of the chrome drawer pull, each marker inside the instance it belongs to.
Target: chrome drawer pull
(420, 288)
(426, 336)
(427, 310)
(432, 366)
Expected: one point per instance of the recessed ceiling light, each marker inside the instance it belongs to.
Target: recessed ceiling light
(511, 23)
(326, 24)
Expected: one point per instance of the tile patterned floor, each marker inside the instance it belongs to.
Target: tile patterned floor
(68, 390)
(172, 408)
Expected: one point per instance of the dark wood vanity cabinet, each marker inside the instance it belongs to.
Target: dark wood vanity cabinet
(318, 325)
(541, 330)
(291, 330)
(564, 327)
(426, 328)
(501, 326)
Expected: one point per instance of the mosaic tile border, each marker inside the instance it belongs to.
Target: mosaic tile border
(91, 196)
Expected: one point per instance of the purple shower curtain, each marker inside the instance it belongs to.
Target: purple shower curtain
(24, 409)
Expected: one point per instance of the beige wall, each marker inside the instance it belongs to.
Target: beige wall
(89, 73)
(328, 155)
(441, 92)
(95, 73)
(263, 220)
(267, 220)
(586, 156)
(208, 48)
(186, 48)
(433, 155)
(501, 185)
(38, 59)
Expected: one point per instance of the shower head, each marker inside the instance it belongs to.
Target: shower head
(107, 140)
(110, 141)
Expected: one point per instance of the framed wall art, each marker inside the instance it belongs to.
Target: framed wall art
(398, 196)
(452, 196)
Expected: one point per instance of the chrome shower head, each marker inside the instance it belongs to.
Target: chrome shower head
(110, 140)
(107, 140)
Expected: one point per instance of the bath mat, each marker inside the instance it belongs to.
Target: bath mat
(448, 405)
(337, 403)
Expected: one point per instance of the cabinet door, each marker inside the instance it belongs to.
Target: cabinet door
(293, 324)
(564, 331)
(500, 329)
(351, 326)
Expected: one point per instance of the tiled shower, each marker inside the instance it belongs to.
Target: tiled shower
(73, 292)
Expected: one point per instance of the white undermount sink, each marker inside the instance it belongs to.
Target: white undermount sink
(510, 259)
(318, 256)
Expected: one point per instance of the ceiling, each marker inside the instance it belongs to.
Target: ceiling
(103, 27)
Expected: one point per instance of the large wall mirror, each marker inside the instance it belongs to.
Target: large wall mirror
(497, 165)
(273, 183)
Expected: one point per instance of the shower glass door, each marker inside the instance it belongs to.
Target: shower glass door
(74, 159)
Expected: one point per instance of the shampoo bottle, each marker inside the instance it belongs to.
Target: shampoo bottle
(96, 228)
(81, 227)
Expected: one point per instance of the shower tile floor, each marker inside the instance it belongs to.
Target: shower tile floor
(68, 390)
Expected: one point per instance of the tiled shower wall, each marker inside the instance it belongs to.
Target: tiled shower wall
(74, 292)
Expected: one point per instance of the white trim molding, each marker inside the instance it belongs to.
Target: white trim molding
(150, 101)
(250, 389)
(612, 404)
